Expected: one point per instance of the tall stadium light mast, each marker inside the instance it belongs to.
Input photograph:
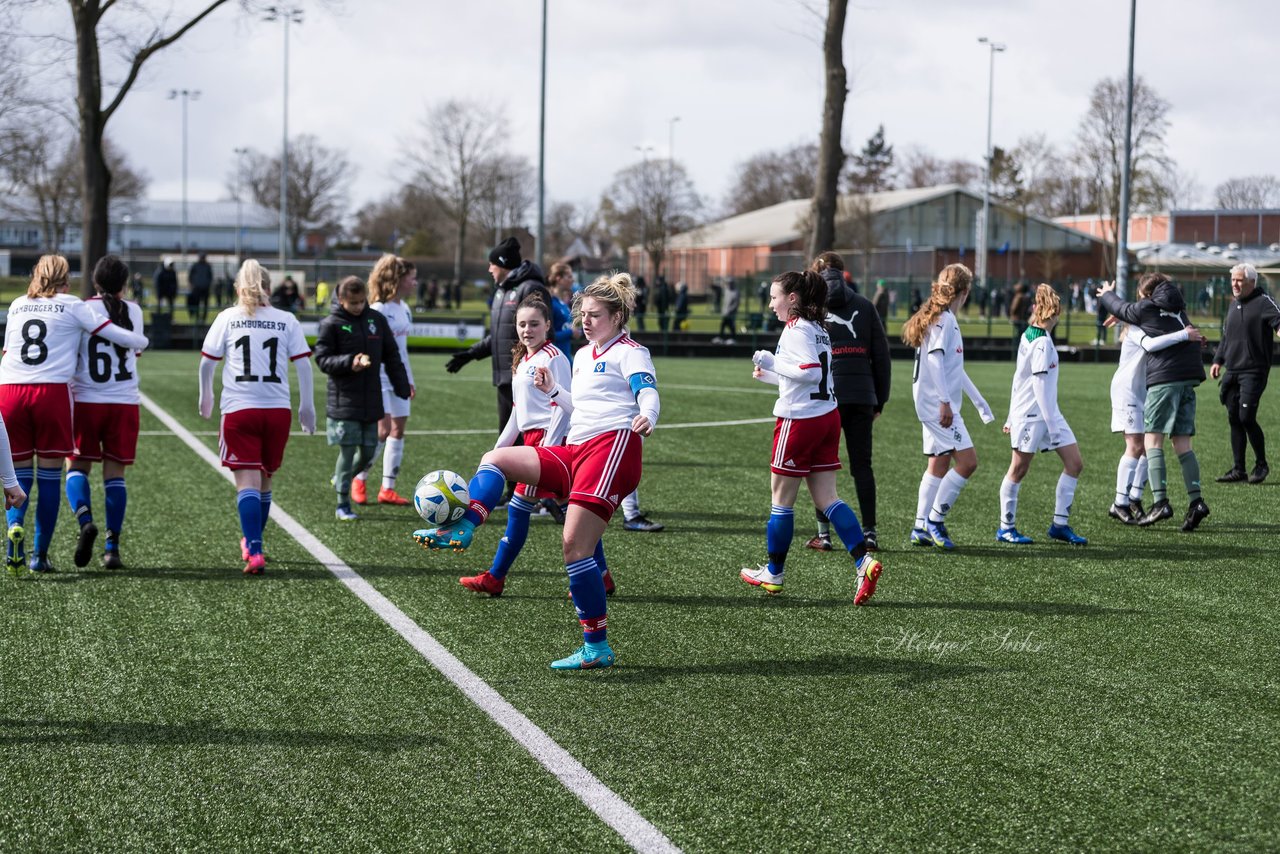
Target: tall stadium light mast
(287, 15)
(185, 95)
(985, 229)
(1122, 239)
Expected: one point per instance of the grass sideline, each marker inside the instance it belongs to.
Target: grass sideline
(999, 698)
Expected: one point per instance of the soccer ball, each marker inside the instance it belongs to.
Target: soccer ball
(441, 497)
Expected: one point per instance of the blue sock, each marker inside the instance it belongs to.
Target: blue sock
(513, 540)
(18, 515)
(600, 561)
(265, 498)
(48, 502)
(249, 503)
(486, 488)
(778, 536)
(117, 499)
(845, 521)
(78, 496)
(586, 586)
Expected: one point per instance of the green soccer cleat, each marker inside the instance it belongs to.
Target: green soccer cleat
(457, 538)
(15, 556)
(589, 656)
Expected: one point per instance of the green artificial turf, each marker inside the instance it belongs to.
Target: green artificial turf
(1117, 696)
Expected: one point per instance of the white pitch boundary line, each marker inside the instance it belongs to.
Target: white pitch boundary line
(478, 432)
(634, 828)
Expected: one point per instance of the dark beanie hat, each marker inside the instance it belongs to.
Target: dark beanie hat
(506, 254)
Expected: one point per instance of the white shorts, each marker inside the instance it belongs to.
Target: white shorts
(940, 440)
(1029, 437)
(396, 407)
(1126, 419)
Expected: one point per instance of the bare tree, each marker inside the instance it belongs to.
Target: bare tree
(318, 182)
(647, 203)
(566, 222)
(921, 168)
(449, 157)
(830, 154)
(1099, 152)
(407, 222)
(508, 188)
(1185, 190)
(772, 177)
(1251, 192)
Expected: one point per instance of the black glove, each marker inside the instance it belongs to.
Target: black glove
(457, 360)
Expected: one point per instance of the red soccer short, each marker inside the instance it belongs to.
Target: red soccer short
(532, 439)
(107, 430)
(38, 418)
(254, 439)
(804, 445)
(597, 474)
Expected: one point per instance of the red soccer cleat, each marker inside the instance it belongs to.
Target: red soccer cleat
(869, 570)
(358, 495)
(388, 496)
(485, 582)
(257, 563)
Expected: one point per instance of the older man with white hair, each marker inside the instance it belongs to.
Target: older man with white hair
(1242, 363)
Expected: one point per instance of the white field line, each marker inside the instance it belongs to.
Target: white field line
(480, 432)
(599, 798)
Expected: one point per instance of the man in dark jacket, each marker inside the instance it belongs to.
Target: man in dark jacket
(1246, 353)
(860, 369)
(353, 343)
(166, 284)
(1172, 377)
(200, 278)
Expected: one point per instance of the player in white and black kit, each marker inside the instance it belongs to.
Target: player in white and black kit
(391, 281)
(1128, 399)
(42, 342)
(258, 343)
(106, 418)
(1036, 424)
(937, 385)
(806, 437)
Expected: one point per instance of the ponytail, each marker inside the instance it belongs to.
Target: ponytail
(811, 292)
(110, 275)
(953, 281)
(252, 286)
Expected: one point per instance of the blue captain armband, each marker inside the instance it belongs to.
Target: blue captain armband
(643, 380)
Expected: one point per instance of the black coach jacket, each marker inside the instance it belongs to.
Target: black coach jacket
(1164, 312)
(357, 395)
(521, 282)
(1247, 334)
(859, 348)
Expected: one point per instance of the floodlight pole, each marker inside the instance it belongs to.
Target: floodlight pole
(287, 14)
(1122, 238)
(983, 238)
(185, 95)
(542, 141)
(240, 153)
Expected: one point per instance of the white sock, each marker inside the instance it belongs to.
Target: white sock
(1008, 502)
(631, 505)
(391, 462)
(947, 494)
(924, 500)
(1125, 475)
(1139, 479)
(1065, 494)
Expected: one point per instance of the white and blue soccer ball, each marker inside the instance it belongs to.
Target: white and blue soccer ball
(441, 497)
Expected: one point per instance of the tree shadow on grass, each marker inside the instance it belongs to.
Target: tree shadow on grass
(197, 733)
(1185, 549)
(913, 673)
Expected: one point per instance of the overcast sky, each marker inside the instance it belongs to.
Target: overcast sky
(743, 76)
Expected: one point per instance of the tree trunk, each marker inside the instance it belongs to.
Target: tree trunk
(830, 154)
(96, 182)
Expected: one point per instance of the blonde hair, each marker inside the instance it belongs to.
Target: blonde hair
(384, 281)
(614, 290)
(252, 286)
(953, 281)
(51, 272)
(1047, 305)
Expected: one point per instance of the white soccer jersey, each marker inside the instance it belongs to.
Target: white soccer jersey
(533, 407)
(1037, 366)
(258, 351)
(400, 319)
(805, 345)
(603, 399)
(1129, 383)
(42, 338)
(106, 372)
(929, 388)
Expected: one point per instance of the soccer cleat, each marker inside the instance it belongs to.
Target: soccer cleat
(359, 494)
(390, 496)
(821, 542)
(1136, 510)
(640, 523)
(345, 514)
(764, 579)
(485, 582)
(84, 543)
(1064, 534)
(938, 533)
(15, 557)
(587, 657)
(869, 570)
(1121, 513)
(111, 559)
(869, 540)
(457, 538)
(920, 537)
(1158, 512)
(244, 549)
(1233, 475)
(40, 563)
(1259, 473)
(1012, 535)
(1197, 512)
(554, 510)
(257, 563)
